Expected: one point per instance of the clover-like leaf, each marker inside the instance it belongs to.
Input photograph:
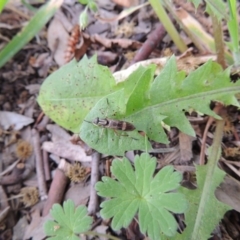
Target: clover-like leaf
(139, 192)
(68, 221)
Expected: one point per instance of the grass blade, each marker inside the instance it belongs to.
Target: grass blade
(30, 30)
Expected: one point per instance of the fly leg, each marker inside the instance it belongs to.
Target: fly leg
(123, 135)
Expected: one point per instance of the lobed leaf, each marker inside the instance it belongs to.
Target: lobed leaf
(68, 221)
(81, 92)
(138, 191)
(201, 219)
(171, 93)
(164, 100)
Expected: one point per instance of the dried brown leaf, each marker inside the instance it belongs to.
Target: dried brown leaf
(185, 144)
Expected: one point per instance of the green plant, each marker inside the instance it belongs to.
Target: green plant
(83, 18)
(153, 198)
(234, 31)
(138, 191)
(146, 103)
(68, 222)
(205, 211)
(168, 25)
(217, 11)
(41, 17)
(140, 100)
(80, 93)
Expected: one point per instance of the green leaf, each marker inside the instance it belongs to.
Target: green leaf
(138, 191)
(93, 6)
(171, 93)
(84, 2)
(234, 31)
(136, 89)
(218, 8)
(205, 211)
(83, 19)
(114, 106)
(68, 221)
(68, 94)
(195, 2)
(30, 30)
(106, 140)
(2, 4)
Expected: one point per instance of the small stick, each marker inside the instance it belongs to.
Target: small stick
(39, 119)
(216, 109)
(39, 165)
(14, 177)
(150, 44)
(56, 192)
(47, 173)
(93, 202)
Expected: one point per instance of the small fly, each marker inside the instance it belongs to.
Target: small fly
(113, 124)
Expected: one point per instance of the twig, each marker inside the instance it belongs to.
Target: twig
(59, 183)
(15, 176)
(17, 11)
(232, 168)
(47, 173)
(218, 39)
(4, 213)
(93, 202)
(10, 168)
(204, 139)
(217, 109)
(150, 44)
(39, 165)
(39, 119)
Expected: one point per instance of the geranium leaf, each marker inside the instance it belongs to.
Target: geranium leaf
(138, 191)
(68, 221)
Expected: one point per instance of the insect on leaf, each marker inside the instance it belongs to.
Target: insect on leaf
(107, 140)
(139, 192)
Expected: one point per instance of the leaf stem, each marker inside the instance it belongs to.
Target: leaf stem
(218, 38)
(211, 167)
